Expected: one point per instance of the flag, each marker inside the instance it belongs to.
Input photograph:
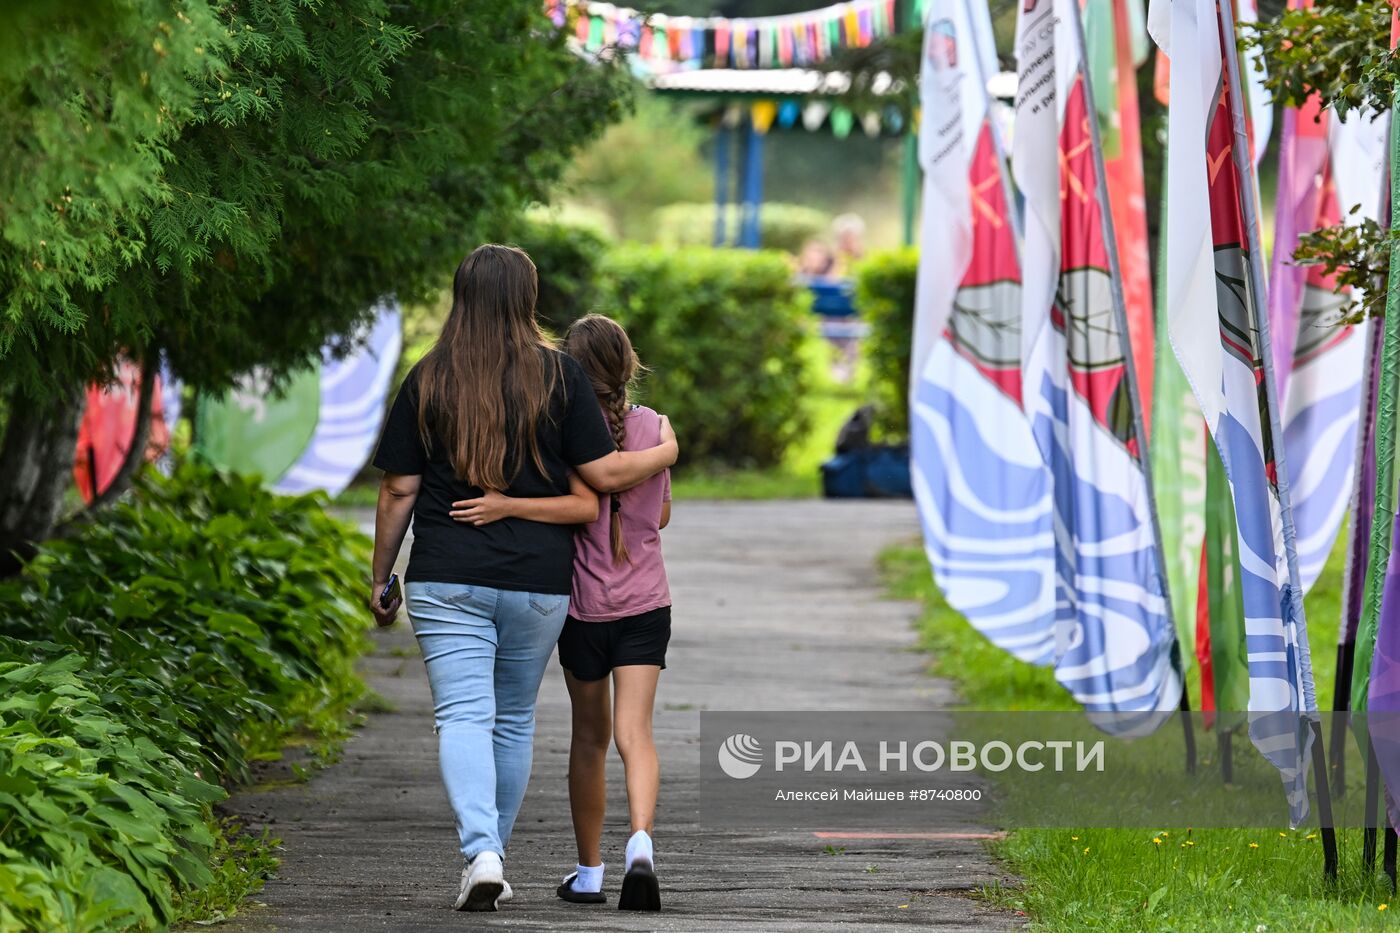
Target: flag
(254, 429)
(108, 427)
(353, 392)
(982, 491)
(1322, 402)
(953, 110)
(1319, 362)
(1363, 505)
(1114, 632)
(1115, 46)
(1376, 676)
(1259, 102)
(1214, 321)
(1222, 647)
(1178, 453)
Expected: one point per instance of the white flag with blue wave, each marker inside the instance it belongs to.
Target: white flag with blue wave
(1322, 379)
(983, 493)
(1115, 637)
(353, 392)
(1215, 319)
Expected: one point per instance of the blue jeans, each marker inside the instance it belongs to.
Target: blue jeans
(486, 651)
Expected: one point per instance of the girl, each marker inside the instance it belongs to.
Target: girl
(492, 407)
(619, 624)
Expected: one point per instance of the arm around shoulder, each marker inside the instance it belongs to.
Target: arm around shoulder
(623, 469)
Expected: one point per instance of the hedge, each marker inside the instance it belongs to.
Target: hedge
(567, 257)
(722, 332)
(783, 227)
(885, 300)
(144, 661)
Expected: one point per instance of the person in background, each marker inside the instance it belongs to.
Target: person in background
(816, 261)
(849, 231)
(493, 411)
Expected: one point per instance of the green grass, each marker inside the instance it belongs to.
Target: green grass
(1121, 879)
(242, 863)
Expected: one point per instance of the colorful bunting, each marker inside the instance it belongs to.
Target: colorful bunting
(673, 42)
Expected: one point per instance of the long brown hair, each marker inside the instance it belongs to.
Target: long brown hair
(486, 383)
(603, 350)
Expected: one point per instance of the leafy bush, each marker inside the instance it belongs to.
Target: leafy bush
(103, 822)
(885, 300)
(783, 227)
(567, 258)
(143, 659)
(722, 330)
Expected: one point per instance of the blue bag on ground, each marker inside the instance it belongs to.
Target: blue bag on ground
(880, 471)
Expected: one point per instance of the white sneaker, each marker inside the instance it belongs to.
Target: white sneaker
(483, 882)
(505, 895)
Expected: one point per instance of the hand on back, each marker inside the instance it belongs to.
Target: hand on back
(489, 508)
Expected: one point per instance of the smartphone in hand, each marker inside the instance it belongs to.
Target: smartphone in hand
(392, 591)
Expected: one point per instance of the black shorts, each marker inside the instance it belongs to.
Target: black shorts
(590, 650)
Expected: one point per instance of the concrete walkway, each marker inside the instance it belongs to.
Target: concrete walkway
(777, 606)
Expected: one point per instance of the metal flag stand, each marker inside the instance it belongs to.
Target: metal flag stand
(1241, 153)
(1120, 316)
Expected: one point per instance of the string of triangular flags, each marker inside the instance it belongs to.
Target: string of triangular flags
(662, 42)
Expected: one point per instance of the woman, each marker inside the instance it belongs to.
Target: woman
(492, 408)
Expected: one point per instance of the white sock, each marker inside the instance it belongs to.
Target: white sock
(639, 847)
(589, 879)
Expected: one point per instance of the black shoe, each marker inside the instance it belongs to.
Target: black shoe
(639, 888)
(566, 892)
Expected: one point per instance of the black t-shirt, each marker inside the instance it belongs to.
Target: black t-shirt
(511, 554)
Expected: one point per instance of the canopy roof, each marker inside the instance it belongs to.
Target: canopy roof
(775, 82)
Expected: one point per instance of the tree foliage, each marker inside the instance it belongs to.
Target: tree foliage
(645, 162)
(228, 184)
(246, 178)
(1340, 52)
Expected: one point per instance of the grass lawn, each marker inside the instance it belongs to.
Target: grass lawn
(1170, 878)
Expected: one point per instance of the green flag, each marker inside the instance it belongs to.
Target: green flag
(1177, 449)
(251, 429)
(1229, 661)
(1384, 516)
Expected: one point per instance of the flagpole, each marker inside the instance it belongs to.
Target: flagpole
(1245, 168)
(1120, 316)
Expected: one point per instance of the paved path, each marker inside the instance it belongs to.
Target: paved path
(777, 606)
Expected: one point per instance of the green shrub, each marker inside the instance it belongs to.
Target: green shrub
(567, 258)
(146, 657)
(783, 227)
(885, 300)
(722, 331)
(103, 823)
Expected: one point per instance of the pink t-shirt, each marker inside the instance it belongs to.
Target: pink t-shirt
(604, 590)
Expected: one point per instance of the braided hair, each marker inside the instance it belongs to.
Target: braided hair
(602, 348)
